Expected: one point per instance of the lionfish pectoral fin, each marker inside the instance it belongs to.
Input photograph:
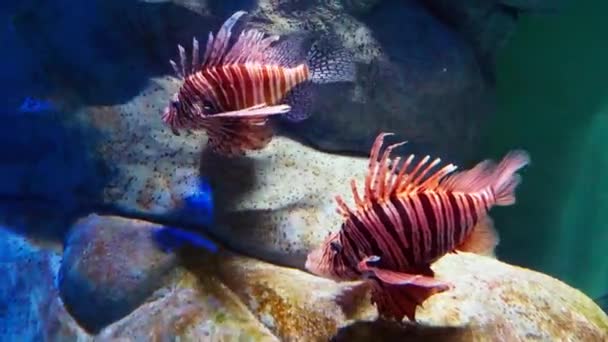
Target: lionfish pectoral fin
(400, 278)
(301, 99)
(398, 294)
(259, 111)
(482, 240)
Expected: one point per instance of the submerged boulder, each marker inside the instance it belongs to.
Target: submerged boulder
(30, 306)
(226, 296)
(110, 266)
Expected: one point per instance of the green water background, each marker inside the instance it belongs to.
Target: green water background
(553, 101)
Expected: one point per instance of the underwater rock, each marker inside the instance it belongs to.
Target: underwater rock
(424, 83)
(260, 210)
(109, 267)
(491, 301)
(231, 296)
(294, 305)
(30, 307)
(191, 309)
(278, 204)
(227, 296)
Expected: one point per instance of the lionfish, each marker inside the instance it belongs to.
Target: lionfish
(243, 81)
(406, 220)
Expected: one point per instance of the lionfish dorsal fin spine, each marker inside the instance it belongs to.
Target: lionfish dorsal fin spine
(208, 48)
(220, 44)
(195, 55)
(383, 180)
(342, 207)
(383, 172)
(182, 61)
(358, 201)
(372, 170)
(176, 69)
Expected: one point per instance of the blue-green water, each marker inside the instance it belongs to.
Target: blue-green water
(553, 100)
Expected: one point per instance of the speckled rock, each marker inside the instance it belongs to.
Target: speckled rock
(30, 307)
(261, 210)
(424, 82)
(278, 204)
(491, 301)
(191, 308)
(223, 296)
(109, 267)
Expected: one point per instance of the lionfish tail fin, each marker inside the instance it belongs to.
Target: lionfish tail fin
(502, 178)
(329, 62)
(397, 294)
(506, 177)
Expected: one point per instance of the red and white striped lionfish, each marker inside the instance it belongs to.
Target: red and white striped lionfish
(407, 220)
(239, 84)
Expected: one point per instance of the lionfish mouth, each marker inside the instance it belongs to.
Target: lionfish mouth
(168, 118)
(317, 263)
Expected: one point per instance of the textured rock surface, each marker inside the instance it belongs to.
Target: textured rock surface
(229, 297)
(191, 309)
(30, 307)
(110, 266)
(491, 301)
(256, 214)
(424, 82)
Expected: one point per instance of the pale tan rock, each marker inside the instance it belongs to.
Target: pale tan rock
(491, 301)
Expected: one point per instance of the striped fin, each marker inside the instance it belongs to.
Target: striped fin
(257, 111)
(382, 181)
(502, 178)
(250, 46)
(398, 294)
(233, 133)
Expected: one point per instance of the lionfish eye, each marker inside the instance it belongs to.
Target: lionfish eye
(174, 104)
(335, 246)
(208, 107)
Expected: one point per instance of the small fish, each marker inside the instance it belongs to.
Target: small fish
(406, 220)
(199, 203)
(237, 87)
(31, 105)
(170, 239)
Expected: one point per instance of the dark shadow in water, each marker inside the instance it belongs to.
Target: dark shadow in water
(231, 179)
(382, 330)
(223, 8)
(50, 174)
(104, 52)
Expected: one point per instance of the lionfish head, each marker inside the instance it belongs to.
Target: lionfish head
(328, 260)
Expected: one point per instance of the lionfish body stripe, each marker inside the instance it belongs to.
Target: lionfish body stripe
(405, 219)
